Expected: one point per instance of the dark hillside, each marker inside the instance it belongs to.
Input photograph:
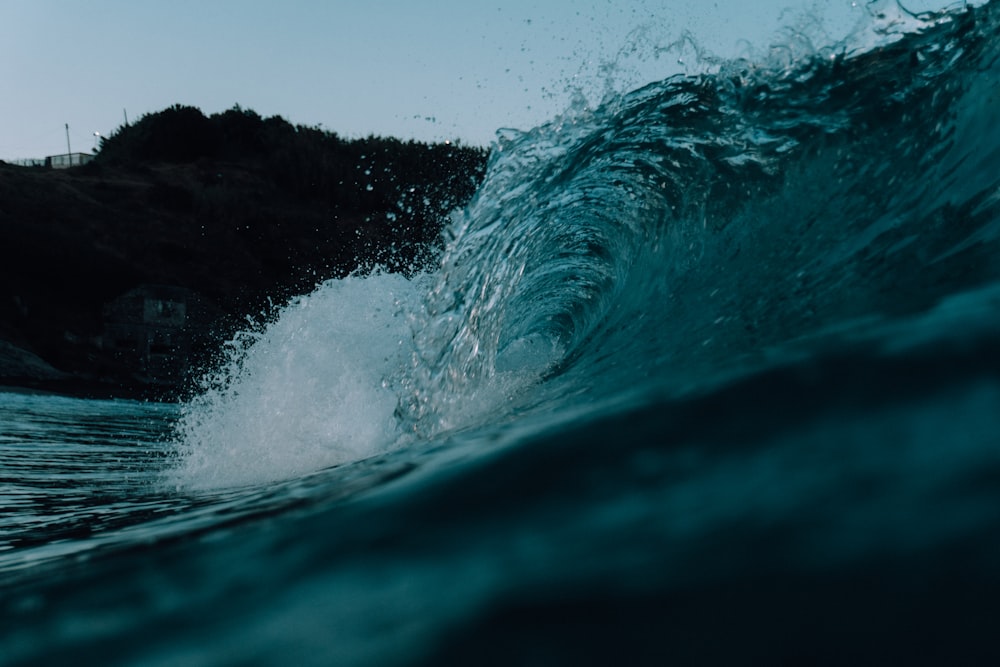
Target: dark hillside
(216, 215)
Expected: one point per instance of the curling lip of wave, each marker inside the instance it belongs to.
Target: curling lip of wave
(697, 228)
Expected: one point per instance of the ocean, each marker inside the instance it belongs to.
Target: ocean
(708, 373)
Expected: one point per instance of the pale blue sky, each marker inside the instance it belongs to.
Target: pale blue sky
(448, 69)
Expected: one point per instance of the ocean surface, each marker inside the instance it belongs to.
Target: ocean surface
(708, 373)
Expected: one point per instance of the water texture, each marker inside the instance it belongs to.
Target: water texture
(708, 373)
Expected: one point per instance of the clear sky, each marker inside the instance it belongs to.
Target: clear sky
(448, 69)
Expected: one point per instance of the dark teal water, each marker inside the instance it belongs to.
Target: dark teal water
(709, 374)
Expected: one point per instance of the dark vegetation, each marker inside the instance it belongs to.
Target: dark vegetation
(235, 211)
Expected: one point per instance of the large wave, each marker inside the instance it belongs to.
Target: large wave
(698, 228)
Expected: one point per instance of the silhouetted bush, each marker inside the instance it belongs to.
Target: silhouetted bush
(381, 177)
(176, 134)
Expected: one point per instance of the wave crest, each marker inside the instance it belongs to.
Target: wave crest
(699, 227)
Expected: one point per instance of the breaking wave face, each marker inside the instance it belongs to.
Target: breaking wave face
(309, 390)
(697, 229)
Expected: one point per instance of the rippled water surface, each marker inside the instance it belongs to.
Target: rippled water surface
(707, 374)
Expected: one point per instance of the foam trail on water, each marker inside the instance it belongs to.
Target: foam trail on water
(312, 390)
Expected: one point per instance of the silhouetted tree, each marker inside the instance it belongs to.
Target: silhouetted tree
(176, 134)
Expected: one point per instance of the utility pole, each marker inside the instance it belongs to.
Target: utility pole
(69, 151)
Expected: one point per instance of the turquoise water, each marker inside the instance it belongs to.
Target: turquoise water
(709, 373)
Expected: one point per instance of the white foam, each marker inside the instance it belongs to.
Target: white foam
(310, 391)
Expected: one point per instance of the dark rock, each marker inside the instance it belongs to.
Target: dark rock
(16, 363)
